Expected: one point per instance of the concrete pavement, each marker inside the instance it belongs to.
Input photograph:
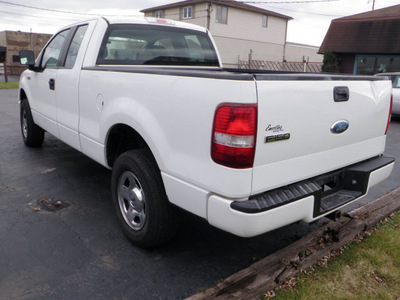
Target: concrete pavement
(80, 252)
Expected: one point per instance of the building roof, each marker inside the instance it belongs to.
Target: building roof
(374, 32)
(230, 3)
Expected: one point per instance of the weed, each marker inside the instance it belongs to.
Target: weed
(368, 268)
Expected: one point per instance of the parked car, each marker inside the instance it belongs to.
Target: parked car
(395, 77)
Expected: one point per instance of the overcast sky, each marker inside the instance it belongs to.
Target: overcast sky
(310, 22)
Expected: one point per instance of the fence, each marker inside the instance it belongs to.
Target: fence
(314, 67)
(13, 69)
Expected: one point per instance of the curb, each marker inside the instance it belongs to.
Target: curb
(273, 270)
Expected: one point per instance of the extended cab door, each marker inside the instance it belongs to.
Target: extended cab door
(42, 94)
(67, 85)
(55, 88)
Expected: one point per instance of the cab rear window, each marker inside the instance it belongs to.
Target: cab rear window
(127, 44)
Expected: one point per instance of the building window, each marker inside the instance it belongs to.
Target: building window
(159, 14)
(372, 64)
(222, 14)
(265, 21)
(187, 12)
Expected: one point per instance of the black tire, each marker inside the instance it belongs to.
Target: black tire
(32, 134)
(145, 214)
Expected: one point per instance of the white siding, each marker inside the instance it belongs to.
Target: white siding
(233, 49)
(247, 25)
(199, 14)
(296, 52)
(244, 32)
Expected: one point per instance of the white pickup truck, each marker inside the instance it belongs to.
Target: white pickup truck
(249, 151)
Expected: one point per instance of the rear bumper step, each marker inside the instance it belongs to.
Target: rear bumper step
(330, 190)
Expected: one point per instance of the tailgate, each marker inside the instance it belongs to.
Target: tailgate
(312, 124)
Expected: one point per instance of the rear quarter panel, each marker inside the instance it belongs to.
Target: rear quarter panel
(174, 115)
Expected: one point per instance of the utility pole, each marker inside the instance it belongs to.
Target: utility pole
(31, 40)
(209, 14)
(373, 4)
(285, 42)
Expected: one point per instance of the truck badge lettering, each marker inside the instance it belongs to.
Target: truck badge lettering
(277, 137)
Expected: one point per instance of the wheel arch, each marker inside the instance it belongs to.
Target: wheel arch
(122, 138)
(22, 95)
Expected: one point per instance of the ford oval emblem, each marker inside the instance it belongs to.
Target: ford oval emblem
(340, 126)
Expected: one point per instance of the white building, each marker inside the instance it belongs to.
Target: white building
(241, 31)
(299, 52)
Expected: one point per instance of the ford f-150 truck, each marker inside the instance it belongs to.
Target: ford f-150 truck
(249, 151)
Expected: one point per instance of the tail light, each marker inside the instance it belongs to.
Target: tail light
(234, 135)
(390, 114)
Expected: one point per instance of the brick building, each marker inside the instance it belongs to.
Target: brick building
(17, 40)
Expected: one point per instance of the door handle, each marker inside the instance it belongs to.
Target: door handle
(341, 93)
(52, 84)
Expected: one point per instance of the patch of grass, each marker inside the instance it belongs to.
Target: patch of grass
(9, 85)
(366, 270)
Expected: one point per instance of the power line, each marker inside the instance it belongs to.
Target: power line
(33, 16)
(90, 14)
(60, 11)
(303, 12)
(294, 2)
(287, 2)
(46, 9)
(251, 2)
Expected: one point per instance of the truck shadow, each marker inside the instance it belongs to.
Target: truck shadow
(199, 255)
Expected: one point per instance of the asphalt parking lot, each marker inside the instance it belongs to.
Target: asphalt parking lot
(60, 238)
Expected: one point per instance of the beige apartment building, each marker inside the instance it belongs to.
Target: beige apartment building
(300, 52)
(241, 31)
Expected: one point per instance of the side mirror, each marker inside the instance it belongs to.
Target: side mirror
(27, 58)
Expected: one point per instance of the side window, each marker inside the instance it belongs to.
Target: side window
(74, 47)
(396, 82)
(195, 48)
(52, 52)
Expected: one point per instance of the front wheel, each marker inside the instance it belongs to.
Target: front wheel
(143, 210)
(32, 134)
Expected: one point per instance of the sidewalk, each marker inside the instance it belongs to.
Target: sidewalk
(11, 78)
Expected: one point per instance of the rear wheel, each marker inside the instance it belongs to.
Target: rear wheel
(32, 134)
(146, 216)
